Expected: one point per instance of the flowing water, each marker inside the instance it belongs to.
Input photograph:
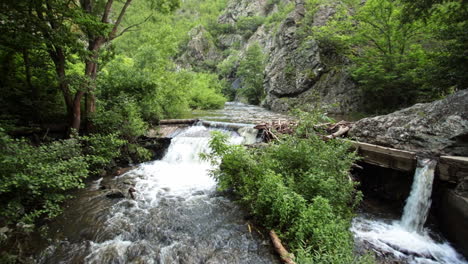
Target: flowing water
(176, 217)
(239, 113)
(407, 240)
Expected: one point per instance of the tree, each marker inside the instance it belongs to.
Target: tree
(250, 72)
(72, 30)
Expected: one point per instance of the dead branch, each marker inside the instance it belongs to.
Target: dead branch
(286, 257)
(341, 131)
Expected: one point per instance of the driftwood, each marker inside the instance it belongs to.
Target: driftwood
(286, 257)
(341, 131)
(270, 130)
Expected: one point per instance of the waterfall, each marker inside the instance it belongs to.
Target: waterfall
(406, 239)
(176, 217)
(419, 201)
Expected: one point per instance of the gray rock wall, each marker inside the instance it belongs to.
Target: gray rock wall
(297, 73)
(439, 127)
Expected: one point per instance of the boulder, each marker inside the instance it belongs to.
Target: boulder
(115, 194)
(440, 127)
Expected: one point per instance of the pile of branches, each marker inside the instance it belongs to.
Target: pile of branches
(271, 130)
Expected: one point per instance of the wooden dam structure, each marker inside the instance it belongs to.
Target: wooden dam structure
(449, 168)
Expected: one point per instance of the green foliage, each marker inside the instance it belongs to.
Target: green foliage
(34, 179)
(119, 125)
(298, 186)
(101, 149)
(122, 117)
(205, 92)
(250, 72)
(399, 55)
(246, 26)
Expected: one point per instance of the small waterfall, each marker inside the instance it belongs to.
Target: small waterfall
(176, 217)
(406, 239)
(419, 201)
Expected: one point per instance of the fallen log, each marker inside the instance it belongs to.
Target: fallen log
(286, 257)
(341, 131)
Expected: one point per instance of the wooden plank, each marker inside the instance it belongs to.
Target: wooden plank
(165, 131)
(452, 168)
(178, 121)
(391, 158)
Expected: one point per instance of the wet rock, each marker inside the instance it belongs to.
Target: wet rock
(440, 127)
(453, 217)
(198, 193)
(115, 194)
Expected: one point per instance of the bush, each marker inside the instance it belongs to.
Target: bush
(298, 186)
(118, 126)
(250, 72)
(122, 116)
(246, 26)
(34, 179)
(205, 92)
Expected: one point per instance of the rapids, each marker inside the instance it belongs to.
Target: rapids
(177, 216)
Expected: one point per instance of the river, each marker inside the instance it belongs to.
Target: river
(177, 215)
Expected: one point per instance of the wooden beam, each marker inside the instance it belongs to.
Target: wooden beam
(391, 158)
(178, 121)
(452, 168)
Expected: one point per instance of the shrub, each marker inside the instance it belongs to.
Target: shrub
(298, 186)
(247, 25)
(34, 179)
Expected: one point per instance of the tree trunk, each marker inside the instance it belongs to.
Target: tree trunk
(76, 121)
(91, 72)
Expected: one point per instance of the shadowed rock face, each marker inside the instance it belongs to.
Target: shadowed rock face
(440, 127)
(299, 73)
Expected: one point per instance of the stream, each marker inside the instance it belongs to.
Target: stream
(177, 215)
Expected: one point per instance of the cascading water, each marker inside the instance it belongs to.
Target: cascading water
(418, 203)
(406, 239)
(177, 216)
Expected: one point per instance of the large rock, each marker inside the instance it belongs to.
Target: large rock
(300, 74)
(200, 49)
(440, 127)
(243, 8)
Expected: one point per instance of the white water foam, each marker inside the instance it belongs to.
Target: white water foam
(179, 175)
(407, 239)
(418, 203)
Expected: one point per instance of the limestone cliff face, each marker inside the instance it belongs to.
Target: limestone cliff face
(297, 73)
(199, 50)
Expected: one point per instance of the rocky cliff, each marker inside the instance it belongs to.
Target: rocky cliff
(298, 72)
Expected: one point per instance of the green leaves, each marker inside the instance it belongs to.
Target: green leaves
(298, 186)
(250, 72)
(33, 178)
